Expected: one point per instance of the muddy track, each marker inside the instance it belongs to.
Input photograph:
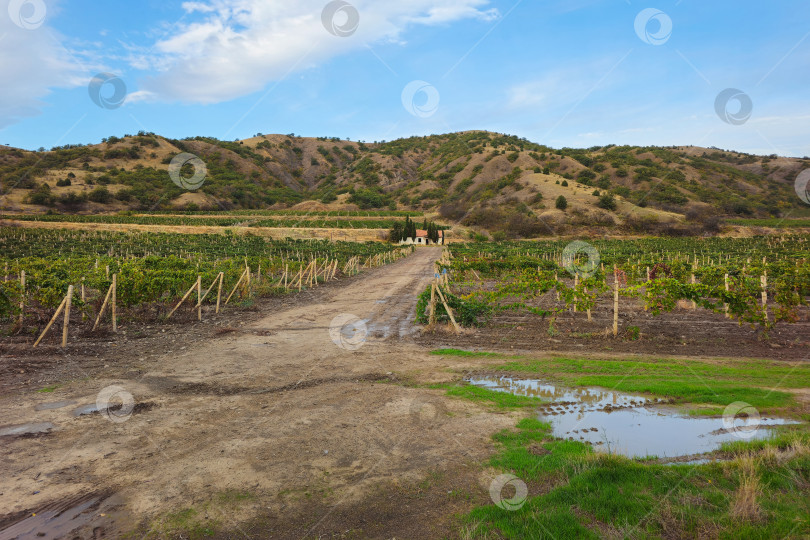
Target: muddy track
(279, 408)
(172, 386)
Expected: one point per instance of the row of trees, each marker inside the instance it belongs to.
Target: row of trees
(407, 229)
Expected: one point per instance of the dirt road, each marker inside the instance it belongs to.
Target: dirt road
(288, 427)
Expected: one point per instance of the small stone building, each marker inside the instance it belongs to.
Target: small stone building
(422, 239)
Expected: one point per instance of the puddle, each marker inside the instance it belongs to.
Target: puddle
(90, 408)
(561, 398)
(80, 517)
(626, 424)
(53, 405)
(26, 429)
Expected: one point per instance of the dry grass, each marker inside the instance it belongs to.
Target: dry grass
(473, 531)
(745, 505)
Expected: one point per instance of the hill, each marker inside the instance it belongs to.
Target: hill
(487, 181)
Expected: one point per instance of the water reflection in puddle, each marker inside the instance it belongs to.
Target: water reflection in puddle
(26, 429)
(85, 516)
(51, 523)
(53, 405)
(624, 423)
(90, 408)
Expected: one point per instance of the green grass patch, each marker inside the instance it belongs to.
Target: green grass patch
(49, 389)
(576, 493)
(693, 381)
(503, 400)
(782, 439)
(200, 521)
(233, 496)
(186, 523)
(459, 352)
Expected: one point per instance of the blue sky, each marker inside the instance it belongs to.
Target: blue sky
(563, 73)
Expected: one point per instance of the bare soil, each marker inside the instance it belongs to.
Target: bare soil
(259, 422)
(262, 424)
(681, 332)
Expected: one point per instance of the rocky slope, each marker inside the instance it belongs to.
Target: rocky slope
(484, 180)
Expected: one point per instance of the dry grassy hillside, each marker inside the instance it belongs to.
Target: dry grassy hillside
(486, 181)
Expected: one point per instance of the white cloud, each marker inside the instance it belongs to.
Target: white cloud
(237, 47)
(532, 94)
(32, 62)
(563, 86)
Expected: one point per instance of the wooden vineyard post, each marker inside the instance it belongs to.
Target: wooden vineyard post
(764, 282)
(432, 316)
(576, 283)
(449, 311)
(114, 299)
(615, 302)
(219, 289)
(66, 323)
(692, 279)
(199, 297)
(286, 266)
(84, 315)
(247, 282)
(235, 287)
(589, 309)
(5, 277)
(648, 273)
(208, 290)
(50, 323)
(300, 278)
(22, 296)
(103, 306)
(188, 293)
(556, 282)
(725, 306)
